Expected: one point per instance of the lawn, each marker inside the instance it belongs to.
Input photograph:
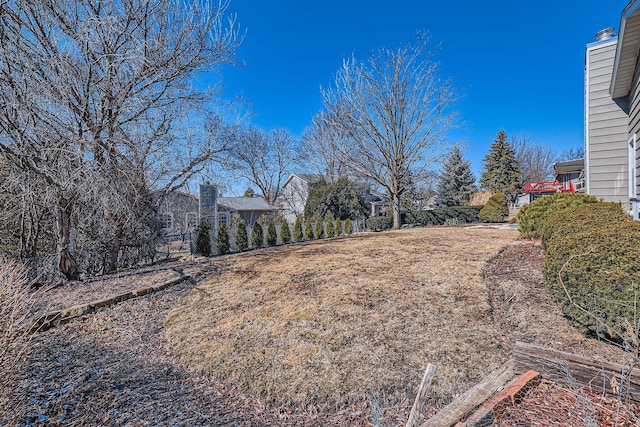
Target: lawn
(321, 326)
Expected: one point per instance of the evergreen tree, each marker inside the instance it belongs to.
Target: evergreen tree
(318, 200)
(501, 169)
(337, 229)
(297, 230)
(272, 234)
(319, 232)
(341, 199)
(329, 226)
(257, 236)
(285, 233)
(348, 227)
(242, 241)
(222, 243)
(203, 243)
(456, 183)
(308, 230)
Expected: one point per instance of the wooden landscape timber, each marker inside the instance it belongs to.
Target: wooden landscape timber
(464, 404)
(578, 371)
(57, 317)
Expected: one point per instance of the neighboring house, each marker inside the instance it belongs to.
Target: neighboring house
(612, 112)
(295, 192)
(250, 209)
(570, 174)
(180, 212)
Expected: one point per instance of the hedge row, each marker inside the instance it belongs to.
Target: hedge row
(592, 268)
(441, 216)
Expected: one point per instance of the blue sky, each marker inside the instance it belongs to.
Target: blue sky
(518, 65)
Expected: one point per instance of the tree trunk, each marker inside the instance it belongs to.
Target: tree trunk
(67, 263)
(396, 211)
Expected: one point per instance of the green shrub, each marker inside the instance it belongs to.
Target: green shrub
(242, 241)
(451, 221)
(257, 236)
(495, 210)
(272, 234)
(222, 243)
(285, 233)
(329, 227)
(592, 269)
(203, 242)
(562, 222)
(297, 230)
(337, 228)
(532, 217)
(379, 223)
(463, 214)
(308, 230)
(319, 231)
(348, 227)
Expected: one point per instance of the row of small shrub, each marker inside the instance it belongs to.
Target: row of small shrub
(258, 239)
(591, 267)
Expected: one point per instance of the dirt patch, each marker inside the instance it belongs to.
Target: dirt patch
(357, 320)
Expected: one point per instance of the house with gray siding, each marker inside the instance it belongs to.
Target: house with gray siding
(612, 112)
(180, 212)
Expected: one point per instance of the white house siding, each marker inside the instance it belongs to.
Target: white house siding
(606, 128)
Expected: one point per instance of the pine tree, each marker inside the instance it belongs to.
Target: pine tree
(285, 233)
(308, 230)
(456, 183)
(501, 169)
(319, 232)
(242, 242)
(257, 235)
(297, 230)
(337, 229)
(348, 227)
(272, 234)
(222, 243)
(203, 243)
(329, 227)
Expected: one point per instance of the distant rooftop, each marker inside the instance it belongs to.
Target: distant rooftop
(246, 204)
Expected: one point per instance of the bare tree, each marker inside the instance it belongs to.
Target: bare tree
(394, 109)
(573, 153)
(263, 158)
(536, 160)
(321, 149)
(93, 92)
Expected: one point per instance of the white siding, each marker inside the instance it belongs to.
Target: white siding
(606, 128)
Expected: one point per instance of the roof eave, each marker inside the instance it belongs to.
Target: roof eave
(617, 89)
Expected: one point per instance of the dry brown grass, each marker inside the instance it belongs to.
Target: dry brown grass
(325, 325)
(15, 320)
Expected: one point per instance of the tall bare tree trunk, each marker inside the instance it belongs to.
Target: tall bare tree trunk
(66, 261)
(396, 211)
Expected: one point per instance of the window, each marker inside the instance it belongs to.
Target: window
(632, 167)
(166, 220)
(191, 220)
(223, 219)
